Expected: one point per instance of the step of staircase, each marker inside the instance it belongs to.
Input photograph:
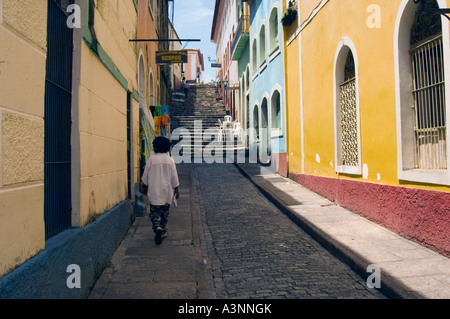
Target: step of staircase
(199, 114)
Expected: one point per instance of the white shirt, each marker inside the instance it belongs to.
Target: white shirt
(160, 174)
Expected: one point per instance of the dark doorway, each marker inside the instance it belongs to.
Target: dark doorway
(129, 145)
(57, 118)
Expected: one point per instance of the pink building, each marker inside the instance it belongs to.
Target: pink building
(193, 70)
(222, 34)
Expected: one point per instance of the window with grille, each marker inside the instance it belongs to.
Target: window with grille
(346, 109)
(428, 81)
(348, 115)
(421, 55)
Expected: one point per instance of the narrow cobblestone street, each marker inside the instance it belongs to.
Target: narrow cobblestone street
(254, 251)
(310, 140)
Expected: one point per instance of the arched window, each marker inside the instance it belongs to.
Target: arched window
(255, 123)
(349, 69)
(141, 84)
(151, 89)
(247, 79)
(276, 111)
(273, 29)
(158, 94)
(421, 46)
(428, 91)
(254, 57)
(348, 115)
(347, 121)
(265, 132)
(262, 45)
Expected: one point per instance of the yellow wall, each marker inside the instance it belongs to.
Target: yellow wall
(375, 54)
(22, 90)
(306, 8)
(103, 112)
(102, 105)
(293, 116)
(115, 25)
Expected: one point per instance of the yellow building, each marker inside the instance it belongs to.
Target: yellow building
(368, 111)
(23, 34)
(106, 92)
(69, 119)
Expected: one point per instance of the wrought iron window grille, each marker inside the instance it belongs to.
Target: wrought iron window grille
(424, 8)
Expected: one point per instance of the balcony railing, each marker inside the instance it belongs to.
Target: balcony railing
(241, 37)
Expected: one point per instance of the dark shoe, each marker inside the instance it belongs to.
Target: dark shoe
(158, 237)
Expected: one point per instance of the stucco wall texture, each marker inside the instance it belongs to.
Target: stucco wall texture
(23, 149)
(419, 215)
(416, 210)
(22, 90)
(103, 143)
(28, 18)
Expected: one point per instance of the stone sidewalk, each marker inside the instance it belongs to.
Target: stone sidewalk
(176, 269)
(408, 270)
(142, 270)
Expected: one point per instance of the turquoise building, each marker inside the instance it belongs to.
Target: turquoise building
(265, 83)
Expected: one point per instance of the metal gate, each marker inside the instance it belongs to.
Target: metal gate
(58, 97)
(129, 146)
(429, 104)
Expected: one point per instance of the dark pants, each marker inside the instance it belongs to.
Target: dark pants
(159, 216)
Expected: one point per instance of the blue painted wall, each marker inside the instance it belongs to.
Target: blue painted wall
(270, 77)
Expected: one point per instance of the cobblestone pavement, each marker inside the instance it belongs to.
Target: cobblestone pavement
(252, 250)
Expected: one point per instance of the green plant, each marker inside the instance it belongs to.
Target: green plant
(290, 14)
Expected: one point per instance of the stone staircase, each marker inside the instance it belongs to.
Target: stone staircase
(199, 114)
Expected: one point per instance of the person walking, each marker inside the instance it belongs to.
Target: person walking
(185, 87)
(161, 177)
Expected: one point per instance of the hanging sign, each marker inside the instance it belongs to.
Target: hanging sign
(169, 57)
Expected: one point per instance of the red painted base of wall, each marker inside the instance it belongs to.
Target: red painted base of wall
(420, 215)
(281, 164)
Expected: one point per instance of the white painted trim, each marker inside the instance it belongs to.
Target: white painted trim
(304, 24)
(275, 133)
(241, 116)
(254, 66)
(265, 95)
(247, 74)
(158, 92)
(143, 97)
(301, 104)
(252, 122)
(269, 111)
(151, 87)
(274, 6)
(262, 67)
(274, 54)
(441, 177)
(261, 63)
(345, 42)
(144, 86)
(150, 9)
